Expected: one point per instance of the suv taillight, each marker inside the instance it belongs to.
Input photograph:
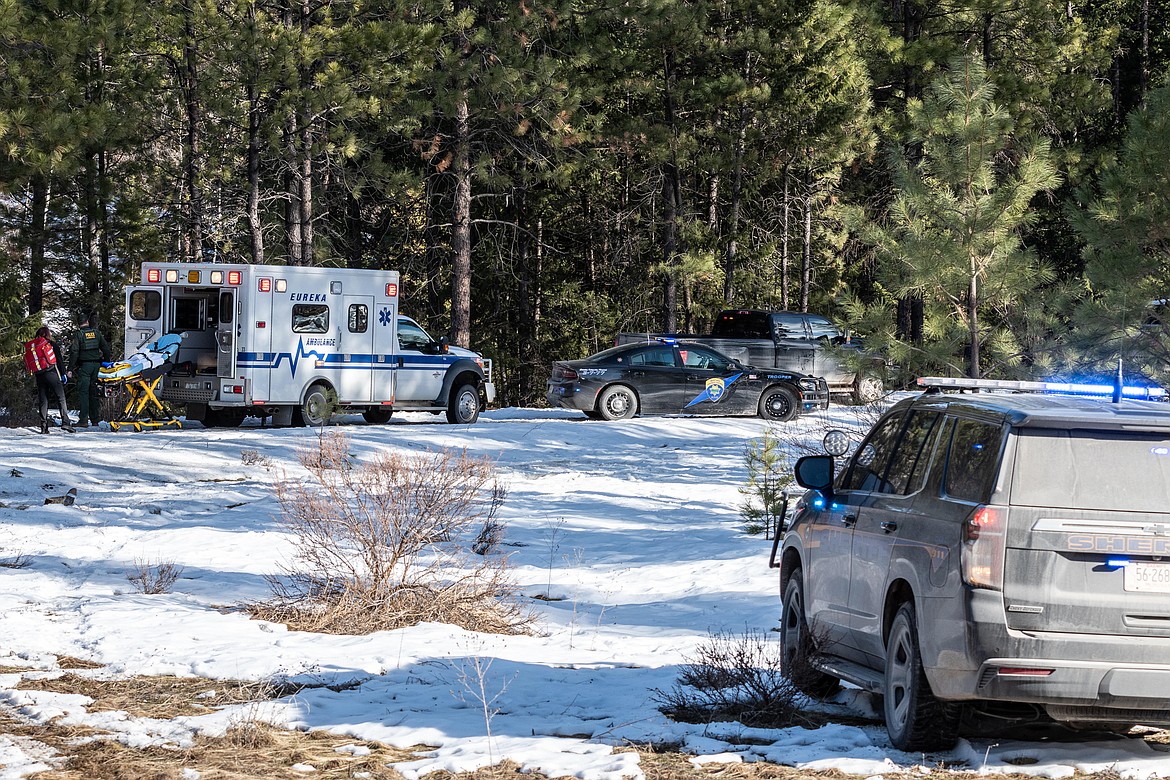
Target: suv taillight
(983, 547)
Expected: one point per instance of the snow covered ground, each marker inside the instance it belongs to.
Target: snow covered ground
(625, 537)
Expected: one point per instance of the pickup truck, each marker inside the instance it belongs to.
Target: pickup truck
(794, 341)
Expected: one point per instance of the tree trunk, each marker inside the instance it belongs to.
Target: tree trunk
(806, 246)
(671, 196)
(255, 227)
(461, 229)
(35, 240)
(973, 319)
(191, 169)
(731, 257)
(786, 213)
(292, 192)
(305, 179)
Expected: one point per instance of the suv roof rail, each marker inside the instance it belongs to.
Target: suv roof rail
(1022, 386)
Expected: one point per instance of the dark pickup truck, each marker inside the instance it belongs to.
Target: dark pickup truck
(793, 341)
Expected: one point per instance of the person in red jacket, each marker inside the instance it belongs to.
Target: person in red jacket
(49, 379)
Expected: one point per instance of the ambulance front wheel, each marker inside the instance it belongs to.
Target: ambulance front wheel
(463, 407)
(317, 407)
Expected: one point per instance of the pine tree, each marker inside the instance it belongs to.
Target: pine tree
(964, 185)
(1126, 230)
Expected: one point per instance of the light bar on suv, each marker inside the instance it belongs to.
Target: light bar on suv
(1020, 386)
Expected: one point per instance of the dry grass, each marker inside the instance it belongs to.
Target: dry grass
(389, 543)
(258, 751)
(161, 697)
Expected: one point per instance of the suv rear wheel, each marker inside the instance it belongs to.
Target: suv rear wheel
(798, 646)
(915, 719)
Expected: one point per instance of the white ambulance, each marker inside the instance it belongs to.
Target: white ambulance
(298, 343)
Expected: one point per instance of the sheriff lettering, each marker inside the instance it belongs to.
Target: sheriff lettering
(1132, 545)
(307, 297)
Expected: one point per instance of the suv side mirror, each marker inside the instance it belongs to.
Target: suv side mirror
(815, 472)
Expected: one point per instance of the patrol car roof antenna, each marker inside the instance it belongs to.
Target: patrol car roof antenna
(1118, 383)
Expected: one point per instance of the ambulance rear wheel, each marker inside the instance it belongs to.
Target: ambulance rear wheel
(463, 407)
(317, 407)
(377, 416)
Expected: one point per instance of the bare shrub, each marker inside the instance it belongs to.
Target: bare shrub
(154, 578)
(388, 543)
(735, 677)
(254, 458)
(19, 561)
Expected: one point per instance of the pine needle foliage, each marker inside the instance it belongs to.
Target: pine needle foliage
(768, 477)
(964, 185)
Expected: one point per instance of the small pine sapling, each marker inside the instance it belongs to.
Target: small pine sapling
(768, 478)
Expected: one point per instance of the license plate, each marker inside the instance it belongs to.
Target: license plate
(559, 390)
(1154, 577)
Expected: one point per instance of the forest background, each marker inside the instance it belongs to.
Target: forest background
(978, 187)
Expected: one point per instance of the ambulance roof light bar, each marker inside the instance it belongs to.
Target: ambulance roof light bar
(1020, 386)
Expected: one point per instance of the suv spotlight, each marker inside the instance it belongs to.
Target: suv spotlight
(999, 552)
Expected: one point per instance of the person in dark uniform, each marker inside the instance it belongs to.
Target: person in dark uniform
(90, 348)
(49, 384)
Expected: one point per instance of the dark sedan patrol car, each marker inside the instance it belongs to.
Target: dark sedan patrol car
(669, 377)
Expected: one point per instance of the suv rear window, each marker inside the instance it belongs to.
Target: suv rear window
(973, 460)
(1107, 470)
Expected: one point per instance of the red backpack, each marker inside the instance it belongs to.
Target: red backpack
(38, 355)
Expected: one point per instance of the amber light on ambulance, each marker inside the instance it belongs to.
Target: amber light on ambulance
(983, 547)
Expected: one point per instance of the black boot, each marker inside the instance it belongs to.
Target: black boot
(44, 426)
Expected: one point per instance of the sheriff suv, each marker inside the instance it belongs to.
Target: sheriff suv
(987, 553)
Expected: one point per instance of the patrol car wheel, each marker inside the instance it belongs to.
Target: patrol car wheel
(463, 408)
(779, 404)
(316, 409)
(617, 402)
(797, 644)
(915, 719)
(377, 416)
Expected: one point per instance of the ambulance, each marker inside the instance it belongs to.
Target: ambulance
(298, 344)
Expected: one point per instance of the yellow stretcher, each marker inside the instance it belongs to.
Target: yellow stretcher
(130, 385)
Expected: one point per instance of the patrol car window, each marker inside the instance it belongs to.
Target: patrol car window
(972, 461)
(659, 356)
(908, 466)
(703, 358)
(188, 314)
(310, 318)
(359, 318)
(411, 336)
(868, 469)
(1108, 470)
(145, 305)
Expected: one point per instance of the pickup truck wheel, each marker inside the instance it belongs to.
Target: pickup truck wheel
(617, 402)
(316, 409)
(797, 645)
(463, 406)
(779, 404)
(377, 416)
(915, 719)
(868, 389)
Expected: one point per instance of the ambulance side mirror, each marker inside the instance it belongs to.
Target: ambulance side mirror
(444, 345)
